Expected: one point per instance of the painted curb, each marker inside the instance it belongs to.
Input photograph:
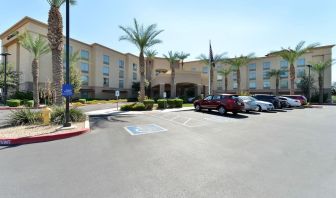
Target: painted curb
(45, 138)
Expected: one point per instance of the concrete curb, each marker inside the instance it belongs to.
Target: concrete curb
(46, 137)
(18, 108)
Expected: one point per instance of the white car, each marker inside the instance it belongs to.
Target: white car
(261, 105)
(291, 102)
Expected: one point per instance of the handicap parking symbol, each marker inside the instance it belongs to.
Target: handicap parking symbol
(144, 129)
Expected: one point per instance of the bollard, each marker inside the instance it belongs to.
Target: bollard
(46, 115)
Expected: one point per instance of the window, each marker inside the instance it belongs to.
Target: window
(284, 84)
(135, 67)
(71, 49)
(135, 76)
(234, 75)
(106, 70)
(121, 73)
(85, 80)
(106, 59)
(216, 97)
(252, 84)
(252, 71)
(121, 84)
(106, 82)
(300, 62)
(235, 85)
(205, 69)
(266, 69)
(252, 67)
(219, 84)
(193, 69)
(284, 69)
(300, 70)
(267, 84)
(208, 98)
(84, 55)
(219, 77)
(84, 67)
(121, 64)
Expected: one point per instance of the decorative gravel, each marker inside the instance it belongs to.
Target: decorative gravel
(33, 130)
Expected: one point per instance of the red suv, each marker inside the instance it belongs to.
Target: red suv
(223, 103)
(302, 99)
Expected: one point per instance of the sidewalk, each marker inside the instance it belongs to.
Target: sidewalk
(115, 111)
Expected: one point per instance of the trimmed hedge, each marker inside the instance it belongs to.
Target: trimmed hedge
(126, 107)
(171, 103)
(148, 104)
(162, 103)
(133, 107)
(13, 103)
(29, 103)
(178, 103)
(82, 100)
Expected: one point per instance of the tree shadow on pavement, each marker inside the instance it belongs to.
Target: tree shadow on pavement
(228, 115)
(99, 121)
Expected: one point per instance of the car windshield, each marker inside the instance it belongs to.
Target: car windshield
(251, 98)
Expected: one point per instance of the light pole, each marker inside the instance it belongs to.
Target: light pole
(5, 75)
(309, 66)
(67, 69)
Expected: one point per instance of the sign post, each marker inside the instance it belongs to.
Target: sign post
(165, 96)
(117, 94)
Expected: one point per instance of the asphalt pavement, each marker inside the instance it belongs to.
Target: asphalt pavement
(287, 153)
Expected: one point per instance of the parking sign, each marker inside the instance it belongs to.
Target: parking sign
(117, 93)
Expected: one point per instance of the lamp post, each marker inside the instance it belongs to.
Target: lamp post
(5, 75)
(67, 69)
(309, 66)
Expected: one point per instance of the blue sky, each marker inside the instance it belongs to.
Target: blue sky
(236, 27)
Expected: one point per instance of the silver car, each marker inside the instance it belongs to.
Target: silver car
(256, 105)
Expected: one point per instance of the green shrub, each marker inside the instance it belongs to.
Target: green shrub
(162, 103)
(315, 98)
(82, 100)
(24, 117)
(21, 95)
(139, 107)
(178, 103)
(127, 107)
(13, 103)
(29, 103)
(149, 104)
(58, 115)
(171, 103)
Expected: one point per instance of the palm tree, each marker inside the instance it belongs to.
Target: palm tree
(291, 55)
(150, 56)
(55, 37)
(172, 58)
(319, 68)
(217, 59)
(143, 38)
(237, 63)
(276, 73)
(225, 73)
(37, 47)
(182, 56)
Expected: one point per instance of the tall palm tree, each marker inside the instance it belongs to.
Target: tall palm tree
(172, 58)
(218, 58)
(225, 73)
(143, 38)
(182, 56)
(150, 56)
(319, 68)
(291, 55)
(276, 74)
(55, 37)
(37, 47)
(237, 63)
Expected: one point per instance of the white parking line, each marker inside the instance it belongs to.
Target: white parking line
(187, 121)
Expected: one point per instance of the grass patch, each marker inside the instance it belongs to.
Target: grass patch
(188, 105)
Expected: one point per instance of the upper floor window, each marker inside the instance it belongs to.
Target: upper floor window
(284, 84)
(284, 69)
(301, 62)
(135, 76)
(106, 82)
(266, 65)
(193, 69)
(106, 59)
(85, 80)
(84, 67)
(121, 64)
(234, 75)
(135, 67)
(283, 64)
(71, 49)
(252, 75)
(121, 73)
(252, 67)
(84, 54)
(205, 69)
(106, 70)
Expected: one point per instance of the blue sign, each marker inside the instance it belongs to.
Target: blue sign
(67, 90)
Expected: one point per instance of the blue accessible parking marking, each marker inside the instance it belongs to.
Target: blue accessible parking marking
(144, 129)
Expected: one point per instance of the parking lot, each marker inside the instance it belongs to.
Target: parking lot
(285, 153)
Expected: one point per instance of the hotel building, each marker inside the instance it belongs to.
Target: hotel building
(105, 70)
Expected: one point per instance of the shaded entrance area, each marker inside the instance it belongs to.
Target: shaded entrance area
(183, 90)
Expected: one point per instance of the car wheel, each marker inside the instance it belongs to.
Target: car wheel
(222, 110)
(259, 108)
(209, 110)
(247, 111)
(198, 107)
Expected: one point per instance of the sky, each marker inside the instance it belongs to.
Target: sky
(235, 27)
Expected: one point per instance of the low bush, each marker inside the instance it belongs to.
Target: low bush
(139, 107)
(148, 104)
(127, 107)
(21, 95)
(315, 98)
(29, 103)
(178, 103)
(82, 100)
(58, 115)
(162, 103)
(24, 117)
(171, 103)
(13, 103)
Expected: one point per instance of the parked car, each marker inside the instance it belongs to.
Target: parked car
(260, 105)
(223, 103)
(284, 103)
(302, 99)
(269, 98)
(291, 102)
(249, 103)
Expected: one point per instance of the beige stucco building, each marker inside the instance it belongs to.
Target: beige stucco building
(105, 70)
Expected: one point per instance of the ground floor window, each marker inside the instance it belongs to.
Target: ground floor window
(85, 80)
(106, 82)
(267, 84)
(84, 94)
(284, 83)
(121, 84)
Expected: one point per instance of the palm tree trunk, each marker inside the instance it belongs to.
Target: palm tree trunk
(149, 69)
(172, 82)
(238, 81)
(277, 86)
(212, 89)
(226, 83)
(35, 73)
(320, 79)
(292, 79)
(55, 37)
(142, 76)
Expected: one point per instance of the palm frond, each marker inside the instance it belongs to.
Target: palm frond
(37, 46)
